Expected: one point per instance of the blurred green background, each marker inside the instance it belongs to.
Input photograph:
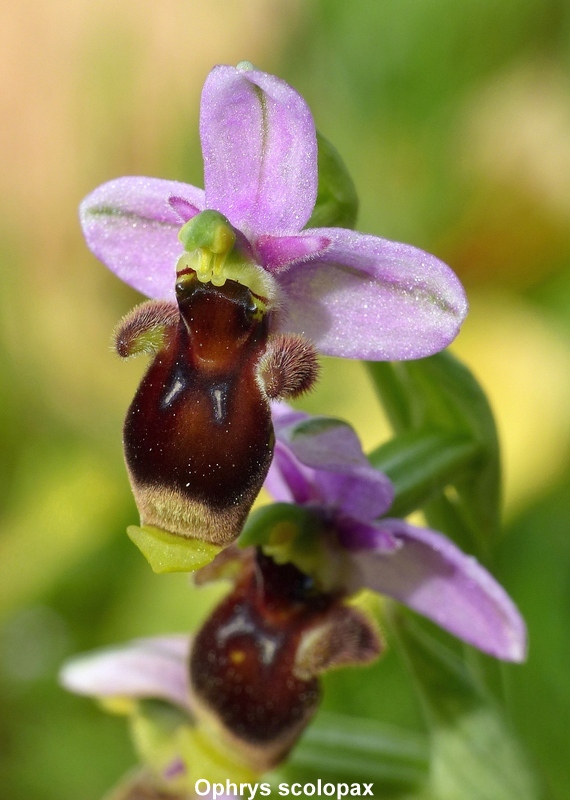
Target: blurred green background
(454, 120)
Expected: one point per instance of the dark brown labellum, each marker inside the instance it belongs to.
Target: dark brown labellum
(243, 660)
(198, 436)
(255, 663)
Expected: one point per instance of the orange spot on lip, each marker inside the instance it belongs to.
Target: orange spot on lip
(237, 657)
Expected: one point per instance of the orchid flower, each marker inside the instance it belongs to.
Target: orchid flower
(246, 686)
(146, 680)
(243, 297)
(319, 465)
(152, 667)
(351, 294)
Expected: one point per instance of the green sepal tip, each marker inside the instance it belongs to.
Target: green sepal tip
(167, 552)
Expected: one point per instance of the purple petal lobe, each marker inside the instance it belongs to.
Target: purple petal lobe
(288, 481)
(371, 298)
(357, 491)
(131, 225)
(280, 252)
(183, 208)
(356, 535)
(260, 151)
(283, 415)
(343, 479)
(431, 575)
(143, 668)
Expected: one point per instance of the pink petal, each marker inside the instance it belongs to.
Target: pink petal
(260, 151)
(434, 577)
(329, 458)
(283, 414)
(287, 480)
(183, 208)
(280, 252)
(131, 225)
(370, 298)
(154, 667)
(353, 534)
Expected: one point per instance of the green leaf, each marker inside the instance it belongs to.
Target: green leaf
(420, 463)
(337, 201)
(474, 753)
(440, 395)
(339, 747)
(452, 397)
